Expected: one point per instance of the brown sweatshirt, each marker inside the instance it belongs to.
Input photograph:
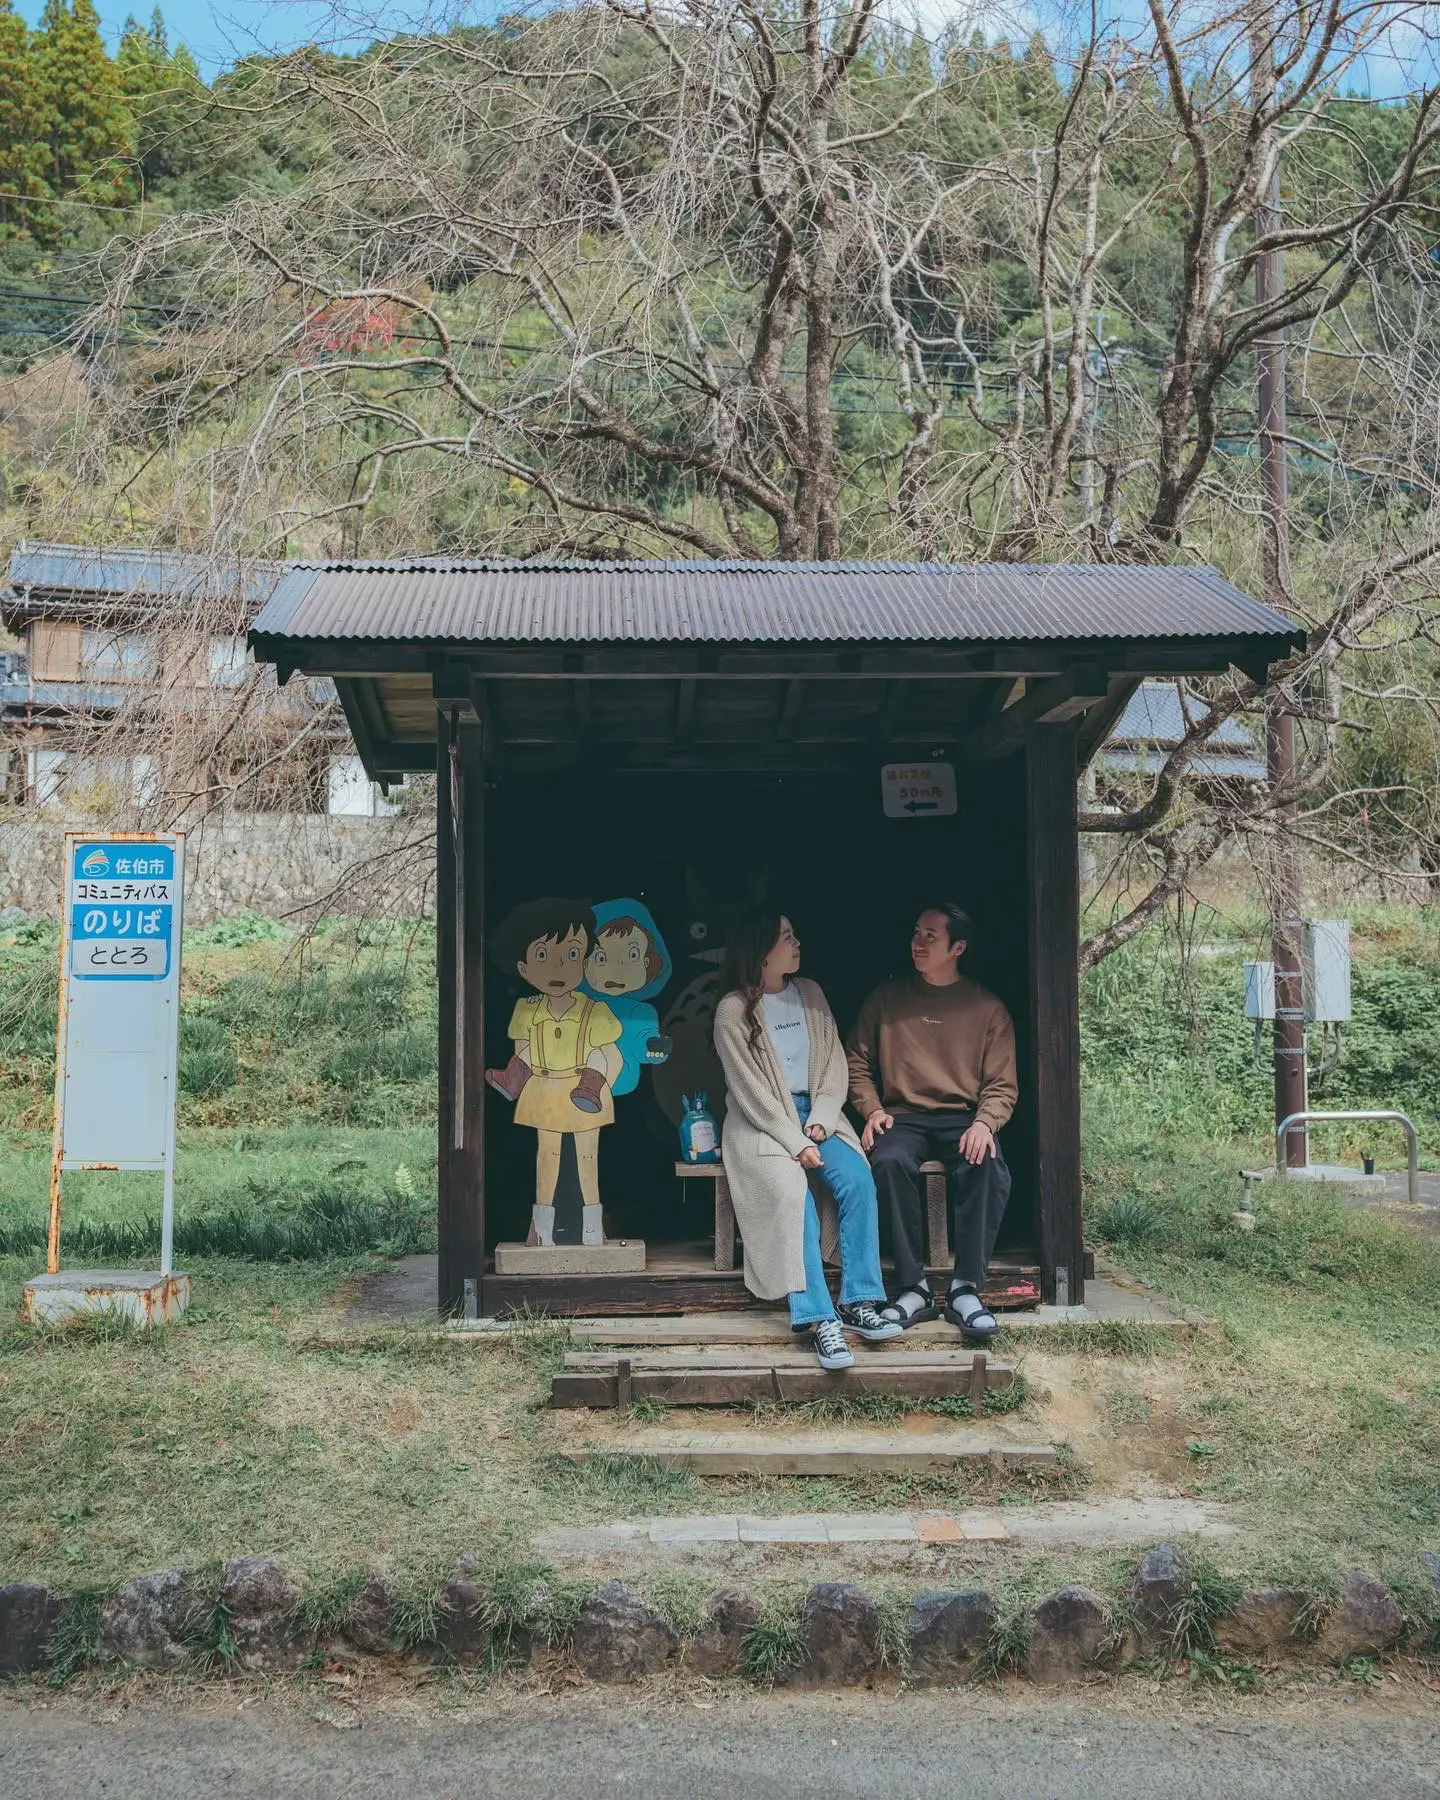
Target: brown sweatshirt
(917, 1049)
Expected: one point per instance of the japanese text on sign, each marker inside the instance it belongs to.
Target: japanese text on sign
(122, 911)
(917, 790)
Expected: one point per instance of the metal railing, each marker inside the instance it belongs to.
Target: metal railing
(1283, 1129)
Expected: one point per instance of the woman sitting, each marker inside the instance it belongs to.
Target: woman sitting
(785, 1077)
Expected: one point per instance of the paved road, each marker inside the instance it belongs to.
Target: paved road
(818, 1747)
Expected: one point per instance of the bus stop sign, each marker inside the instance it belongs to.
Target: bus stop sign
(119, 1029)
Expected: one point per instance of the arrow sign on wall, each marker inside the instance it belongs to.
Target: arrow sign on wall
(908, 790)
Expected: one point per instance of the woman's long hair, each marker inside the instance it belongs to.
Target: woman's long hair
(752, 937)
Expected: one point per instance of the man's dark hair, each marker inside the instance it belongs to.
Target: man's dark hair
(958, 923)
(550, 918)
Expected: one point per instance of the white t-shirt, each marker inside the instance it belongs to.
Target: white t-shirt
(784, 1016)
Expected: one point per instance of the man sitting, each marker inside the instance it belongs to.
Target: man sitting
(932, 1073)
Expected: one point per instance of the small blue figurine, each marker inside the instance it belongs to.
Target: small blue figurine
(627, 965)
(699, 1134)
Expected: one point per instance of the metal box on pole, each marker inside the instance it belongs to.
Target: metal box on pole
(1259, 990)
(1325, 959)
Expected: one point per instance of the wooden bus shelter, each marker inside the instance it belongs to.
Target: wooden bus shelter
(696, 733)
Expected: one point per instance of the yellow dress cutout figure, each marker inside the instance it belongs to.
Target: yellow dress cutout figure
(564, 1058)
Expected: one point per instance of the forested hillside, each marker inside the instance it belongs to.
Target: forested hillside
(1017, 246)
(786, 280)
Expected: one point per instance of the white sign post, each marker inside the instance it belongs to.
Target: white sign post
(117, 1049)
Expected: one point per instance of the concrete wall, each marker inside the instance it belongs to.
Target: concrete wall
(272, 863)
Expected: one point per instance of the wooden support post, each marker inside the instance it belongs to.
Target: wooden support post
(1053, 887)
(460, 972)
(978, 1383)
(937, 1216)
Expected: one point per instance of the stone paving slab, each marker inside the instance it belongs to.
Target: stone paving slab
(973, 1525)
(934, 1535)
(835, 1451)
(722, 1530)
(798, 1528)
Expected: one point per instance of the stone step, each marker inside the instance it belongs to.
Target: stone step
(820, 1453)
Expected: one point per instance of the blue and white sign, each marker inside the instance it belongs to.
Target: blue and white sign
(122, 910)
(120, 1011)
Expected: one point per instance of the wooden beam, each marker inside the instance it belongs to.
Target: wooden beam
(451, 1284)
(1051, 702)
(685, 710)
(460, 973)
(362, 715)
(1031, 658)
(790, 709)
(703, 1290)
(1053, 898)
(404, 758)
(768, 757)
(1101, 720)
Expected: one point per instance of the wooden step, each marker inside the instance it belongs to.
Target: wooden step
(723, 1379)
(755, 1328)
(819, 1453)
(743, 1356)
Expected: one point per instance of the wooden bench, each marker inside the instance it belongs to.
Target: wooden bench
(937, 1212)
(724, 1209)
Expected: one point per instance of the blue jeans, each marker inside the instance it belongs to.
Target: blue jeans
(847, 1175)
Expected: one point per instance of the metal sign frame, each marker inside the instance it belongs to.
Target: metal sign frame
(129, 963)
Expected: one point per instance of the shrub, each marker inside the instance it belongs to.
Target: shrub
(391, 1056)
(207, 1057)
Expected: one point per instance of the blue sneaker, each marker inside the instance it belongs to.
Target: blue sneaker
(830, 1346)
(863, 1319)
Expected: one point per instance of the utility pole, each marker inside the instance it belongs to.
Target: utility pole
(1290, 1083)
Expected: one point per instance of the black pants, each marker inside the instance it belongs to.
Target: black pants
(977, 1192)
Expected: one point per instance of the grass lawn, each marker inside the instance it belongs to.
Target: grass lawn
(261, 1425)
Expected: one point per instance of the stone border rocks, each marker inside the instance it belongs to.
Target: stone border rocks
(262, 1607)
(29, 1615)
(948, 1636)
(153, 1621)
(620, 1637)
(837, 1637)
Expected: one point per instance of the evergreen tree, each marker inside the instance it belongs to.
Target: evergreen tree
(91, 137)
(25, 127)
(166, 97)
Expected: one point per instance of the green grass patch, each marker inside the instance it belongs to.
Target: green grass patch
(262, 1425)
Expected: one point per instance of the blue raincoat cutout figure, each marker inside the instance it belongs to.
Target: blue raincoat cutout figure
(629, 964)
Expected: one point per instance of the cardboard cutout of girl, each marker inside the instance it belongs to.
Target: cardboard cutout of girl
(565, 1059)
(627, 966)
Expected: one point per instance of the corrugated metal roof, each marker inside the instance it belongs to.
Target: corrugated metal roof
(1154, 715)
(1129, 761)
(435, 600)
(43, 571)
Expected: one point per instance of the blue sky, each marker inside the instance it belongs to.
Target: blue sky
(219, 31)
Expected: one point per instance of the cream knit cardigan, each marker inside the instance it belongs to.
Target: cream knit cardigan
(763, 1137)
